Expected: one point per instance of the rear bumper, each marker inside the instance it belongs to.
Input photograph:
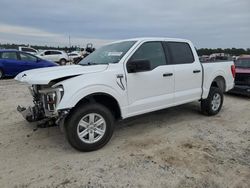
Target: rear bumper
(241, 89)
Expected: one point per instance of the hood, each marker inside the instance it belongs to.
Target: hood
(242, 70)
(43, 76)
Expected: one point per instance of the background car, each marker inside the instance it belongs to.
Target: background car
(74, 55)
(28, 50)
(242, 77)
(57, 56)
(13, 62)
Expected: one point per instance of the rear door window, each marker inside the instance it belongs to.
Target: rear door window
(181, 52)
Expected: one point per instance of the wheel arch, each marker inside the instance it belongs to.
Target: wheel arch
(219, 82)
(216, 80)
(105, 99)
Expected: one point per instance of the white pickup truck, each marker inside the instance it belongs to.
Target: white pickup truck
(120, 80)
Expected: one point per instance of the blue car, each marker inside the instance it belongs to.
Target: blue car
(12, 62)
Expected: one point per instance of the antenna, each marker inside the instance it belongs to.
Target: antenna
(69, 42)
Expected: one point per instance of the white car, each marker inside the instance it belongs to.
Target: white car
(74, 55)
(120, 80)
(57, 56)
(28, 50)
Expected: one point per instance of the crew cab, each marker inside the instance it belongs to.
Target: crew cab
(120, 80)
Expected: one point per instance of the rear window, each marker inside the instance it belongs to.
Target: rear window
(181, 52)
(242, 63)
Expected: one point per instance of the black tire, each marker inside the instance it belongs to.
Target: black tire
(71, 126)
(207, 104)
(62, 61)
(1, 74)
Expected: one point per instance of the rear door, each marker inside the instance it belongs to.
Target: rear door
(187, 70)
(153, 89)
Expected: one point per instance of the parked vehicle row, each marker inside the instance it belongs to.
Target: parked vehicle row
(12, 62)
(121, 80)
(57, 56)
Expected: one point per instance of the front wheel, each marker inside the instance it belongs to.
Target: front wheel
(213, 103)
(89, 127)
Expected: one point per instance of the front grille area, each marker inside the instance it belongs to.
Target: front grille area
(242, 79)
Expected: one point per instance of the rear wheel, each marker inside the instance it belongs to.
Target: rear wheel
(63, 62)
(212, 105)
(89, 127)
(1, 74)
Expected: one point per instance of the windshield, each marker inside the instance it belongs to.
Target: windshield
(244, 63)
(111, 53)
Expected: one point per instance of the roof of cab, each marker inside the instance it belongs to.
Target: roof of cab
(145, 39)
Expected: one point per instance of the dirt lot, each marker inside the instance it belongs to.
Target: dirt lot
(176, 147)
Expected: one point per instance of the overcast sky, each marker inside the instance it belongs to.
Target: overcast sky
(208, 23)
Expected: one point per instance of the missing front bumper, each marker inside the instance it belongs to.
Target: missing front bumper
(31, 114)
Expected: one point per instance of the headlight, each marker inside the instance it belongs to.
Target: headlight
(51, 97)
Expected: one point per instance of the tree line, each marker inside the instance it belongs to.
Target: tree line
(38, 47)
(231, 51)
(201, 51)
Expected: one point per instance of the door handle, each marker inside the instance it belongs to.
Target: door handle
(167, 74)
(196, 71)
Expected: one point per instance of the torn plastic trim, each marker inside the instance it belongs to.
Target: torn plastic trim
(55, 81)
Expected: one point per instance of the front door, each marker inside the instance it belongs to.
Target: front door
(150, 90)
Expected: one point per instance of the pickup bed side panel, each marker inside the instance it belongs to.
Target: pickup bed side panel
(213, 70)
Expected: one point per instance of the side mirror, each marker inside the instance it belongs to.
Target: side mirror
(138, 66)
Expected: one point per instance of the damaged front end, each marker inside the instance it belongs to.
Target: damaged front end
(46, 100)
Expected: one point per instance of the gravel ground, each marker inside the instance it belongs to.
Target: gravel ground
(176, 147)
